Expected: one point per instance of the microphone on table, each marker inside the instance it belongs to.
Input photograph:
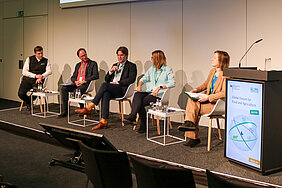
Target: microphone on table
(248, 51)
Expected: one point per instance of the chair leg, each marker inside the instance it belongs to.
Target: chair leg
(21, 106)
(158, 125)
(46, 103)
(122, 116)
(95, 109)
(218, 129)
(170, 126)
(40, 103)
(209, 134)
(129, 103)
(137, 119)
(119, 102)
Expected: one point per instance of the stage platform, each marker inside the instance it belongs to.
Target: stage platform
(124, 138)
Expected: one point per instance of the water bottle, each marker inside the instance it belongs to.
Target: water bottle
(151, 105)
(39, 87)
(78, 94)
(157, 105)
(160, 106)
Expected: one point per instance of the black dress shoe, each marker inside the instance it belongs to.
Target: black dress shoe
(192, 143)
(28, 107)
(141, 131)
(187, 126)
(130, 120)
(62, 115)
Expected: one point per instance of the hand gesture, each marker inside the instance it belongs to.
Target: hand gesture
(155, 93)
(38, 81)
(203, 97)
(114, 68)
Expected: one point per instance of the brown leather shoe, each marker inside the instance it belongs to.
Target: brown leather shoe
(101, 125)
(83, 111)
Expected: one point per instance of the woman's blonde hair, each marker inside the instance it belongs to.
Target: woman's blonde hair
(158, 58)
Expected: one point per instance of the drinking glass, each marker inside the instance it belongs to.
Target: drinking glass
(267, 64)
(71, 95)
(39, 87)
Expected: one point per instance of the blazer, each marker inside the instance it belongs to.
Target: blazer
(219, 86)
(90, 74)
(128, 75)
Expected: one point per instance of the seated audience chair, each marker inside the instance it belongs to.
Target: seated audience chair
(106, 169)
(214, 181)
(129, 92)
(40, 103)
(161, 176)
(217, 113)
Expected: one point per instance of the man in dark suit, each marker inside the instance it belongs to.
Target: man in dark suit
(118, 78)
(85, 71)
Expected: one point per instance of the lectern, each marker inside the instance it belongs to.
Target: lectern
(253, 114)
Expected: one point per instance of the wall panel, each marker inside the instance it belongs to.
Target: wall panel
(12, 7)
(1, 49)
(69, 34)
(13, 42)
(35, 7)
(158, 25)
(209, 26)
(109, 28)
(264, 21)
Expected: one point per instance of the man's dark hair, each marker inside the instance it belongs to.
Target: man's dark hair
(77, 53)
(38, 49)
(123, 49)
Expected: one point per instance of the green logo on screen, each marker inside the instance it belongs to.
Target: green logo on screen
(254, 90)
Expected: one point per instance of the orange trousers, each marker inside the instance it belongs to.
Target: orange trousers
(194, 110)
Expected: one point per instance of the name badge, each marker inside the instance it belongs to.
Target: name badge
(80, 78)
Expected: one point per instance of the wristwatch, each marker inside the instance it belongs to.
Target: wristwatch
(161, 87)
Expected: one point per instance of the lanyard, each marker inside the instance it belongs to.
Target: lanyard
(120, 70)
(213, 83)
(82, 68)
(157, 78)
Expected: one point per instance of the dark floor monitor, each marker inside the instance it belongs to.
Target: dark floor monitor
(69, 137)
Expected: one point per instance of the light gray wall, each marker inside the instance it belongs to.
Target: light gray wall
(188, 31)
(1, 51)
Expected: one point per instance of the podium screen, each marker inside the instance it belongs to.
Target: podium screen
(244, 122)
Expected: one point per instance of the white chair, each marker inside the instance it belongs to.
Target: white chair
(30, 92)
(217, 113)
(129, 92)
(89, 89)
(164, 100)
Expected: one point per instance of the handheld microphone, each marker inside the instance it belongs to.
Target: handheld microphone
(248, 51)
